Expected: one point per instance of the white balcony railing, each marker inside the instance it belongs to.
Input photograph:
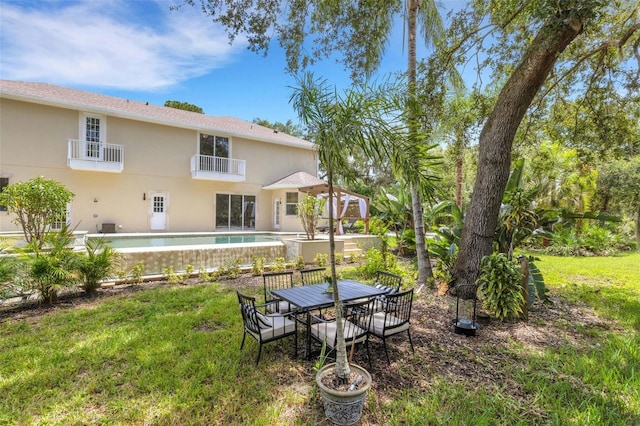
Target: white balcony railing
(98, 156)
(217, 168)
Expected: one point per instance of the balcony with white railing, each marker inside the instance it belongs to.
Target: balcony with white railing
(217, 168)
(95, 156)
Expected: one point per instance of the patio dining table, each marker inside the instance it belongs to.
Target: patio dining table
(311, 297)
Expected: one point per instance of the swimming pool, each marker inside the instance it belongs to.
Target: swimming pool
(200, 251)
(172, 240)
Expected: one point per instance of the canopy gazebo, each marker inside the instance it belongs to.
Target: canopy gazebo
(347, 205)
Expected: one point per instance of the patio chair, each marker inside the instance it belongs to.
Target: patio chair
(393, 319)
(356, 323)
(265, 328)
(388, 281)
(313, 275)
(276, 281)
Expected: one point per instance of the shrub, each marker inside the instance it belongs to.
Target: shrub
(8, 274)
(37, 203)
(97, 264)
(51, 270)
(339, 258)
(137, 273)
(500, 286)
(374, 261)
(321, 259)
(203, 275)
(300, 263)
(230, 269)
(279, 265)
(257, 266)
(170, 275)
(189, 270)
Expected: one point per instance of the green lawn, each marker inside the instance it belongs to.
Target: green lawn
(171, 355)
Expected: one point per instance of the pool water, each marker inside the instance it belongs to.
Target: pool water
(187, 240)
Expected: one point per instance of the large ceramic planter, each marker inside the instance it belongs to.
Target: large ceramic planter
(343, 407)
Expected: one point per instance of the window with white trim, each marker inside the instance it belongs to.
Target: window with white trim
(292, 203)
(63, 219)
(4, 181)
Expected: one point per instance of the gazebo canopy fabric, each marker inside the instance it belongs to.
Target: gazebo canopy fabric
(347, 205)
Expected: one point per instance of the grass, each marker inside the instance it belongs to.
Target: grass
(171, 356)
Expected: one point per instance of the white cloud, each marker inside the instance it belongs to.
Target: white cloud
(113, 44)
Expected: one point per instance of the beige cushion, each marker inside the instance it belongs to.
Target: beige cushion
(280, 325)
(329, 330)
(378, 324)
(281, 307)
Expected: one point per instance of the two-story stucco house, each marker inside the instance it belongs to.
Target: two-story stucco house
(146, 168)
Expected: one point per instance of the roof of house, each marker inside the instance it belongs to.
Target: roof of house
(48, 94)
(295, 180)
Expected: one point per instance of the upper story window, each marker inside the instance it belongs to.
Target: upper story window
(215, 146)
(292, 203)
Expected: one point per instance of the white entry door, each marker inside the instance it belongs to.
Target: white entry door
(158, 211)
(276, 213)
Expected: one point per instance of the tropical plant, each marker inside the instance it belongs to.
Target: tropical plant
(97, 263)
(52, 269)
(309, 211)
(300, 263)
(321, 259)
(448, 220)
(170, 275)
(500, 286)
(257, 265)
(37, 203)
(359, 118)
(395, 209)
(137, 273)
(279, 264)
(535, 277)
(8, 270)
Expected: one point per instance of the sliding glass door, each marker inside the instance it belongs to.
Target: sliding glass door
(235, 212)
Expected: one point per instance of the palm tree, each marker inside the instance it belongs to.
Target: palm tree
(360, 118)
(427, 12)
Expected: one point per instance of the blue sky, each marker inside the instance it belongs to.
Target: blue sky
(141, 50)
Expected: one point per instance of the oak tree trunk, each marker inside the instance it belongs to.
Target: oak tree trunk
(496, 140)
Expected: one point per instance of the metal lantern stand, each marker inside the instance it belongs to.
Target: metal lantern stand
(465, 322)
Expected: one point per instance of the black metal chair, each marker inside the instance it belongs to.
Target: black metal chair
(393, 319)
(356, 319)
(313, 275)
(276, 281)
(387, 280)
(265, 328)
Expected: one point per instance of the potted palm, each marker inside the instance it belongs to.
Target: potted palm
(360, 119)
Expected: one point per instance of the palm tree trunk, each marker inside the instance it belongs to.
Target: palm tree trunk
(424, 265)
(459, 172)
(341, 369)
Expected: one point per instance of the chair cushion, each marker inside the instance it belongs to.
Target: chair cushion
(280, 306)
(393, 325)
(280, 326)
(263, 320)
(387, 290)
(329, 331)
